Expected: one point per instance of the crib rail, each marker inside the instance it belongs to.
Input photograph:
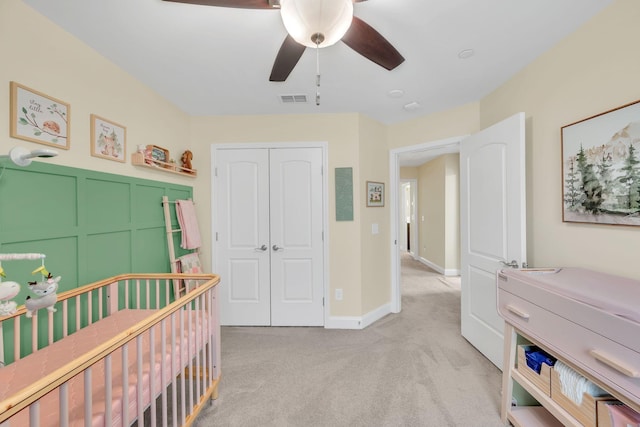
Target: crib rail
(197, 367)
(89, 304)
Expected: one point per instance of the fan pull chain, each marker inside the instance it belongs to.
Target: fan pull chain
(317, 72)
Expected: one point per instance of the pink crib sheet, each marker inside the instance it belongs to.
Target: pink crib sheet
(26, 371)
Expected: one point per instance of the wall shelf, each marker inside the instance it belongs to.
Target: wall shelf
(138, 159)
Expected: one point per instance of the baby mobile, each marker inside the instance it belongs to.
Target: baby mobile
(45, 289)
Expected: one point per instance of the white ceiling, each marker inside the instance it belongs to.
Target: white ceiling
(217, 61)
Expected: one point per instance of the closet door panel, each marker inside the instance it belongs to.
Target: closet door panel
(243, 236)
(296, 237)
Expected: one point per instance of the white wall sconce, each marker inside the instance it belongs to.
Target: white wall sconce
(22, 157)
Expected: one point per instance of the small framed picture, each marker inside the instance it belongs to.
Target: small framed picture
(40, 118)
(108, 139)
(375, 194)
(158, 154)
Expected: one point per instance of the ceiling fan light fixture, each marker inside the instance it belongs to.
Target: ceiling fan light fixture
(313, 21)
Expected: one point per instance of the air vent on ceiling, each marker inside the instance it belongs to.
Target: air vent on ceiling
(294, 99)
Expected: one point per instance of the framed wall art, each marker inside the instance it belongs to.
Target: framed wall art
(375, 194)
(108, 139)
(601, 168)
(344, 194)
(40, 118)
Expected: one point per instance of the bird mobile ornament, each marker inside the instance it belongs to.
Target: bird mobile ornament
(46, 295)
(8, 291)
(45, 289)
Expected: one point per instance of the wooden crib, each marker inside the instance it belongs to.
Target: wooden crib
(66, 368)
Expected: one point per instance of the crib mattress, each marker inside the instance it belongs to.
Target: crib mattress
(37, 365)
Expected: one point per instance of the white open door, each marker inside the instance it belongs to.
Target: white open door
(492, 226)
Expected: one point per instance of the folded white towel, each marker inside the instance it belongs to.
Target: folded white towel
(575, 385)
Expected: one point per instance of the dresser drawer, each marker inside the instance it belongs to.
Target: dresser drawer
(522, 314)
(615, 366)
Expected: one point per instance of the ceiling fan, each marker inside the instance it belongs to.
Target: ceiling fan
(359, 35)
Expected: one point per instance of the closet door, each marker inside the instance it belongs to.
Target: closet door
(243, 249)
(269, 236)
(296, 237)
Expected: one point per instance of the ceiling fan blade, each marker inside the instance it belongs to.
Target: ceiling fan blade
(239, 4)
(287, 58)
(369, 43)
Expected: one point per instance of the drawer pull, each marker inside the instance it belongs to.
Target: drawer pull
(518, 312)
(620, 367)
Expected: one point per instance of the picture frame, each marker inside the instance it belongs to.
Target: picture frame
(158, 156)
(375, 194)
(40, 118)
(158, 153)
(601, 168)
(108, 139)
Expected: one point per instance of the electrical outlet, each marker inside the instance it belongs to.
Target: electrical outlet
(338, 294)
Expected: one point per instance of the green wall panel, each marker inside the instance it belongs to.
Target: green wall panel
(91, 225)
(25, 195)
(108, 254)
(151, 251)
(148, 201)
(108, 203)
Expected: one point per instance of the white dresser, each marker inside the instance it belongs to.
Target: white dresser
(587, 319)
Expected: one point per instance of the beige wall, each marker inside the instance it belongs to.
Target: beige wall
(375, 249)
(438, 194)
(345, 135)
(76, 74)
(431, 218)
(462, 120)
(38, 54)
(408, 173)
(593, 70)
(452, 212)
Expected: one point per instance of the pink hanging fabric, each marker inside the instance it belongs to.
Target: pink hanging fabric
(186, 213)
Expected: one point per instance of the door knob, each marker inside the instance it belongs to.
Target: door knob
(262, 248)
(512, 264)
(277, 248)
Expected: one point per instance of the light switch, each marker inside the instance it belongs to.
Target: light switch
(374, 229)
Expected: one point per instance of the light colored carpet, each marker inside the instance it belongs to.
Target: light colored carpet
(407, 369)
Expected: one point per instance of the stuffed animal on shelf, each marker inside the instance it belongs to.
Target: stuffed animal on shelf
(46, 295)
(186, 158)
(8, 290)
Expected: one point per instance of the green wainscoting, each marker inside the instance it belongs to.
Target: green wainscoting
(91, 225)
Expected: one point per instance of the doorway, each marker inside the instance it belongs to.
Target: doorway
(492, 223)
(410, 156)
(408, 241)
(268, 234)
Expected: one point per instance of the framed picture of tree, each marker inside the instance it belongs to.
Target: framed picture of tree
(601, 168)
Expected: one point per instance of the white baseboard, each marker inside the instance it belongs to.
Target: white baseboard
(436, 267)
(451, 272)
(376, 314)
(343, 322)
(431, 265)
(355, 322)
